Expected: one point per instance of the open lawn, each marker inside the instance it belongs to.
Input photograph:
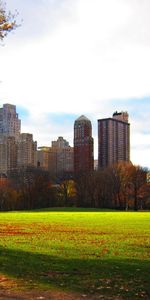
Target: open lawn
(96, 254)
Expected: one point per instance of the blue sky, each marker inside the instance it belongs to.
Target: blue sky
(73, 57)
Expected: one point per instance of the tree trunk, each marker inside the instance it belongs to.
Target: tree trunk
(135, 200)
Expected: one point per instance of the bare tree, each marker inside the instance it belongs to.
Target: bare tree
(66, 192)
(33, 185)
(139, 186)
(120, 181)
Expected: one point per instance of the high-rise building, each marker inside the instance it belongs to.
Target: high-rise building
(113, 139)
(83, 145)
(43, 154)
(9, 122)
(27, 151)
(57, 159)
(8, 154)
(60, 143)
(65, 160)
(61, 157)
(9, 135)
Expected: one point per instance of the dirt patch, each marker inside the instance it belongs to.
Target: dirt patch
(9, 230)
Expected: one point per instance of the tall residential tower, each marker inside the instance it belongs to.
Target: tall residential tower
(9, 122)
(9, 135)
(83, 145)
(26, 150)
(113, 139)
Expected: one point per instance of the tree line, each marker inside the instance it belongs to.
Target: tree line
(122, 186)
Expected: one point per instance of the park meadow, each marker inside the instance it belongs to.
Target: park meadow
(95, 253)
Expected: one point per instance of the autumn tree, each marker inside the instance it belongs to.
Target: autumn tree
(120, 178)
(66, 192)
(8, 195)
(120, 186)
(3, 191)
(82, 189)
(106, 188)
(88, 189)
(2, 197)
(138, 186)
(7, 21)
(33, 186)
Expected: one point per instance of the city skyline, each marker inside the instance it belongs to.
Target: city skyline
(70, 58)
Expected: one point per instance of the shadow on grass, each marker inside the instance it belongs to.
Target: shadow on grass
(127, 278)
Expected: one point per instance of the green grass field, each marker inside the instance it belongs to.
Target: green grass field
(90, 252)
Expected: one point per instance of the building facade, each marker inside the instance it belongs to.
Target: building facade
(26, 151)
(61, 143)
(43, 157)
(83, 145)
(57, 159)
(8, 154)
(61, 157)
(10, 124)
(113, 139)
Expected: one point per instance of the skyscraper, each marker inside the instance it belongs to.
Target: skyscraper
(61, 157)
(60, 143)
(43, 157)
(83, 145)
(57, 159)
(9, 122)
(26, 153)
(9, 135)
(8, 154)
(113, 139)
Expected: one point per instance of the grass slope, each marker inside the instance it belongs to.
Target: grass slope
(90, 252)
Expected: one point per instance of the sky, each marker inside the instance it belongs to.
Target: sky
(74, 57)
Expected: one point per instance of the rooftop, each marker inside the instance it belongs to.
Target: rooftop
(83, 118)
